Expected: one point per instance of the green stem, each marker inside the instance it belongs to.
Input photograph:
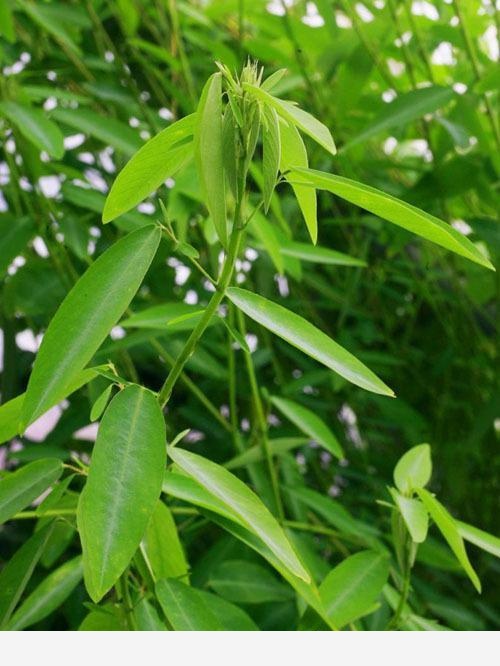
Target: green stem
(215, 301)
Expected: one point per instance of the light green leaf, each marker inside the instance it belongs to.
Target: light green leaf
(306, 337)
(352, 588)
(190, 609)
(122, 488)
(209, 158)
(247, 583)
(403, 110)
(161, 546)
(35, 126)
(396, 211)
(108, 617)
(264, 232)
(480, 538)
(100, 404)
(243, 502)
(158, 159)
(108, 130)
(310, 424)
(273, 79)
(7, 22)
(271, 154)
(48, 596)
(414, 515)
(18, 489)
(413, 469)
(187, 489)
(293, 114)
(85, 317)
(17, 572)
(294, 154)
(318, 255)
(449, 530)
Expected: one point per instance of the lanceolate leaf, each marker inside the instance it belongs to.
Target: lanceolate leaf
(298, 117)
(271, 152)
(243, 502)
(403, 110)
(208, 145)
(480, 538)
(17, 572)
(449, 530)
(306, 337)
(35, 126)
(109, 130)
(352, 588)
(189, 609)
(319, 255)
(394, 210)
(161, 546)
(86, 316)
(48, 596)
(159, 159)
(122, 488)
(309, 423)
(18, 489)
(293, 154)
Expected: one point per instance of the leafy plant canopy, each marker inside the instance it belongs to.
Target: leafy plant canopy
(247, 257)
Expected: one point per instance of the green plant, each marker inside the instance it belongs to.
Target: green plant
(225, 528)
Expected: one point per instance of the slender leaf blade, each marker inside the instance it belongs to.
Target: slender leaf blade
(85, 317)
(306, 337)
(123, 486)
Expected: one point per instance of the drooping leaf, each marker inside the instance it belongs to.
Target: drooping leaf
(294, 154)
(158, 159)
(122, 488)
(48, 596)
(449, 530)
(413, 469)
(85, 317)
(309, 423)
(293, 114)
(351, 589)
(209, 158)
(414, 515)
(394, 210)
(247, 583)
(162, 548)
(18, 489)
(17, 572)
(243, 502)
(403, 110)
(35, 126)
(271, 153)
(190, 609)
(306, 337)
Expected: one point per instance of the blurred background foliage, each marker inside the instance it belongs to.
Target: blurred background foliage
(409, 90)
